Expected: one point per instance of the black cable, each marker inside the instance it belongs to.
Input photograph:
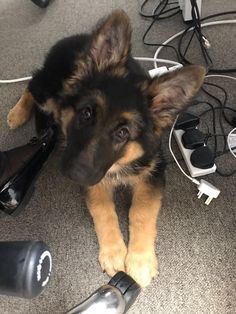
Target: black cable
(213, 16)
(186, 48)
(210, 134)
(212, 109)
(158, 16)
(224, 103)
(198, 33)
(222, 153)
(217, 108)
(222, 111)
(182, 58)
(155, 44)
(217, 154)
(154, 14)
(213, 122)
(197, 27)
(170, 15)
(221, 108)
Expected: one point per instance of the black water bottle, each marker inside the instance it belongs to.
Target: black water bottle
(25, 268)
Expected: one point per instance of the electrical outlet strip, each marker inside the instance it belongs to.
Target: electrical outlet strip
(186, 7)
(194, 172)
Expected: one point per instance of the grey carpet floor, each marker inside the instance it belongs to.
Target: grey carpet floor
(196, 243)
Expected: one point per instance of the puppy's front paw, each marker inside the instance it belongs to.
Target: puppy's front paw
(112, 258)
(17, 116)
(141, 266)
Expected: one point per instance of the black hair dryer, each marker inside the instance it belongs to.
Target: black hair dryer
(25, 268)
(116, 297)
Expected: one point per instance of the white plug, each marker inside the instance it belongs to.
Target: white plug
(206, 42)
(158, 71)
(162, 70)
(208, 189)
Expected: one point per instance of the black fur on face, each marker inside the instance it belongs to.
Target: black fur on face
(111, 112)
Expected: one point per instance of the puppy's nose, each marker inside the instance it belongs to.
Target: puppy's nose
(82, 174)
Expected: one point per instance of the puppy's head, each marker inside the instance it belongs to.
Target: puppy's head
(110, 119)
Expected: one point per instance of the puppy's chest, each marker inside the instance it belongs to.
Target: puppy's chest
(126, 175)
(140, 170)
(116, 178)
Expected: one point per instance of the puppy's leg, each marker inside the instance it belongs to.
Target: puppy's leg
(141, 261)
(21, 112)
(112, 247)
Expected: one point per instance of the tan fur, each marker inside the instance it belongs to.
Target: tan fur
(130, 116)
(108, 52)
(99, 98)
(141, 262)
(133, 150)
(67, 116)
(118, 21)
(114, 175)
(51, 107)
(100, 59)
(82, 70)
(21, 112)
(112, 248)
(70, 84)
(119, 71)
(172, 91)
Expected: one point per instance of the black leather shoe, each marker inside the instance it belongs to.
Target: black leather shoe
(19, 168)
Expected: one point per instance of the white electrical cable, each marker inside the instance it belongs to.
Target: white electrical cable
(181, 32)
(157, 60)
(228, 137)
(22, 79)
(224, 76)
(228, 141)
(175, 159)
(27, 78)
(136, 58)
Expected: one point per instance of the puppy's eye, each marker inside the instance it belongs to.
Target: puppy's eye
(85, 115)
(122, 134)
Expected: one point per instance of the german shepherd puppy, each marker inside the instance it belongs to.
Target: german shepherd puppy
(113, 116)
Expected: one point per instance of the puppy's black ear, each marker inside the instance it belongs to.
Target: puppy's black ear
(107, 51)
(170, 94)
(111, 41)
